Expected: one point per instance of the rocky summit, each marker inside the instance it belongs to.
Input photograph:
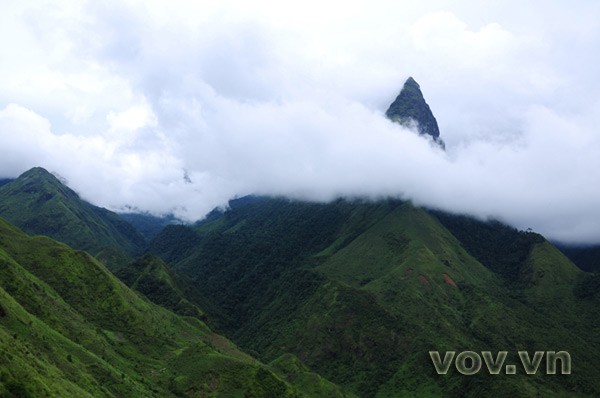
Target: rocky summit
(410, 108)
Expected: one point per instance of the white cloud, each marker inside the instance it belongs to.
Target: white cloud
(449, 38)
(122, 98)
(132, 119)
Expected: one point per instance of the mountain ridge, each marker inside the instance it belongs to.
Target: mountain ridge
(40, 203)
(358, 291)
(361, 291)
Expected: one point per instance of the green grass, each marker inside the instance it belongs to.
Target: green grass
(69, 328)
(150, 276)
(39, 203)
(361, 291)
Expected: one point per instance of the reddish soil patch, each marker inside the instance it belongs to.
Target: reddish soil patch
(449, 280)
(424, 281)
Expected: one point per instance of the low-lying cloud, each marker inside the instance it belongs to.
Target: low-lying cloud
(170, 109)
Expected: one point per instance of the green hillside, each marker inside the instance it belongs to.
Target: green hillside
(69, 328)
(362, 291)
(150, 276)
(40, 204)
(355, 292)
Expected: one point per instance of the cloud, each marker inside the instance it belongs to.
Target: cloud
(444, 34)
(179, 107)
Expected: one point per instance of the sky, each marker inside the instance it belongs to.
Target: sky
(179, 106)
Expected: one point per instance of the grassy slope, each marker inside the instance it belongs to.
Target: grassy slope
(150, 276)
(68, 327)
(362, 291)
(407, 277)
(40, 204)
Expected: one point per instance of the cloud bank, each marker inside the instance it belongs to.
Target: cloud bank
(171, 107)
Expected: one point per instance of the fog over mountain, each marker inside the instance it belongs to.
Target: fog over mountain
(167, 106)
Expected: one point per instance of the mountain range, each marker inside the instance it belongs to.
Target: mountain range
(362, 291)
(273, 297)
(355, 292)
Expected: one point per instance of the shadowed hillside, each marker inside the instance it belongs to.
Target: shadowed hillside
(362, 291)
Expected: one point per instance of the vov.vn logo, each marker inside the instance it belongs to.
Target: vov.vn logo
(470, 362)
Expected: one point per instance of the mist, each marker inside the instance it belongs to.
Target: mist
(173, 108)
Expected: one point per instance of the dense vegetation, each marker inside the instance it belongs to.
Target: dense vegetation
(357, 291)
(69, 328)
(501, 248)
(362, 291)
(40, 204)
(150, 276)
(175, 242)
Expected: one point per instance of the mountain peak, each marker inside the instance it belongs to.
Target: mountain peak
(410, 107)
(37, 172)
(38, 179)
(41, 203)
(411, 82)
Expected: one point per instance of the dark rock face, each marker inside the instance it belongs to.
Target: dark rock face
(410, 107)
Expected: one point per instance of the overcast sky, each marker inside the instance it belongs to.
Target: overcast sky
(178, 106)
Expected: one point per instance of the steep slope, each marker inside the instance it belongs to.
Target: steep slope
(501, 248)
(150, 276)
(410, 108)
(361, 292)
(69, 328)
(40, 204)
